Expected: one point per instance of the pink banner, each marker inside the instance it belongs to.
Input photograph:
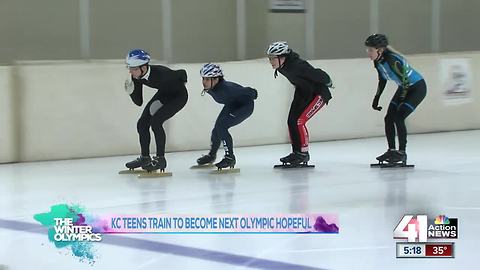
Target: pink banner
(279, 223)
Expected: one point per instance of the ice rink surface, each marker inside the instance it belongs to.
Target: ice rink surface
(369, 202)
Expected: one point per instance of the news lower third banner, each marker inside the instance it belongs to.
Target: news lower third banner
(71, 227)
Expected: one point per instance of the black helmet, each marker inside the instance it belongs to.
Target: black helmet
(376, 41)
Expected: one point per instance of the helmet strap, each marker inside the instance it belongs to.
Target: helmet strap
(143, 73)
(379, 54)
(210, 88)
(280, 65)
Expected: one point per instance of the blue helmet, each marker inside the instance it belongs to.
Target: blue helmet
(137, 57)
(211, 70)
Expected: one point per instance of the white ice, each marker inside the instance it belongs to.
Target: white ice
(369, 202)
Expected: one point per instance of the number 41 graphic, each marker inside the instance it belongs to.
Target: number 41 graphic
(411, 228)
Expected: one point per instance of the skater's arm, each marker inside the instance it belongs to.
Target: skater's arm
(235, 92)
(137, 94)
(381, 84)
(316, 75)
(166, 75)
(309, 87)
(252, 92)
(247, 92)
(313, 80)
(380, 87)
(166, 79)
(305, 86)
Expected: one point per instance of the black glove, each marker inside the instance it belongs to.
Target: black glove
(375, 103)
(326, 99)
(255, 93)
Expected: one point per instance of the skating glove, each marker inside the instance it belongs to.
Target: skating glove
(375, 103)
(129, 86)
(255, 93)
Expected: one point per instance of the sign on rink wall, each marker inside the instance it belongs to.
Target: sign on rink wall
(456, 76)
(287, 6)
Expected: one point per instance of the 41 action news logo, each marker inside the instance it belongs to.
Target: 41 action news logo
(419, 228)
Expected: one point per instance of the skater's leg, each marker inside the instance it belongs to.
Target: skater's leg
(414, 97)
(390, 125)
(162, 114)
(402, 113)
(143, 129)
(296, 109)
(233, 117)
(315, 105)
(215, 140)
(214, 143)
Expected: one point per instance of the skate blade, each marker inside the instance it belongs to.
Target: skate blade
(397, 165)
(225, 170)
(204, 166)
(132, 171)
(290, 166)
(154, 174)
(377, 165)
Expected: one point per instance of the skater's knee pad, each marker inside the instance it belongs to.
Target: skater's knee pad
(155, 106)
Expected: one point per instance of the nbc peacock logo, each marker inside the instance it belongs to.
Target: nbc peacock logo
(442, 220)
(443, 227)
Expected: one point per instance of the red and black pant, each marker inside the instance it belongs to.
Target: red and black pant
(302, 110)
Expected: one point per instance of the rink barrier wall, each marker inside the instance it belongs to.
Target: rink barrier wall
(78, 109)
(7, 128)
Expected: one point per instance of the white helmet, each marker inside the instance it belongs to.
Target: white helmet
(211, 70)
(278, 48)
